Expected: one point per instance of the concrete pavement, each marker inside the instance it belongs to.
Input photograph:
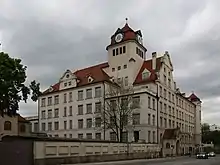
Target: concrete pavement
(164, 161)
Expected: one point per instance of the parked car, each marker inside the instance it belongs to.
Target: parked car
(211, 154)
(202, 155)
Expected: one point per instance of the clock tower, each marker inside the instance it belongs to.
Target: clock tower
(126, 53)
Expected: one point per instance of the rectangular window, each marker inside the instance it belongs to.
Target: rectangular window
(49, 113)
(89, 93)
(153, 120)
(70, 96)
(70, 136)
(113, 136)
(149, 105)
(169, 96)
(71, 124)
(98, 107)
(165, 123)
(89, 123)
(64, 98)
(98, 92)
(165, 93)
(65, 125)
(64, 113)
(80, 136)
(113, 52)
(98, 122)
(80, 95)
(124, 49)
(119, 67)
(154, 137)
(124, 136)
(49, 126)
(49, 101)
(169, 123)
(165, 108)
(43, 102)
(149, 118)
(149, 137)
(165, 79)
(70, 111)
(137, 50)
(43, 127)
(89, 108)
(136, 119)
(113, 69)
(36, 127)
(80, 123)
(161, 91)
(43, 114)
(173, 98)
(120, 50)
(161, 106)
(88, 135)
(56, 99)
(169, 82)
(125, 66)
(98, 136)
(126, 81)
(136, 102)
(116, 51)
(56, 113)
(161, 122)
(80, 109)
(153, 104)
(56, 125)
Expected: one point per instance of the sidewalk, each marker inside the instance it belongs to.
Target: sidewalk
(134, 161)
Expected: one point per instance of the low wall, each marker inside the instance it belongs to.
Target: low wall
(62, 152)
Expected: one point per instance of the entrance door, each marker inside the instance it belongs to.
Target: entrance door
(136, 136)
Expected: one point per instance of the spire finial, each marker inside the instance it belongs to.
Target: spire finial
(126, 20)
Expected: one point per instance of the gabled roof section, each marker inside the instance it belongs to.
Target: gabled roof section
(193, 97)
(153, 73)
(82, 76)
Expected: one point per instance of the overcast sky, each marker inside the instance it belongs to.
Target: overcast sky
(54, 35)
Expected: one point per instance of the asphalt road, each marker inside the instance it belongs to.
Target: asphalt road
(167, 161)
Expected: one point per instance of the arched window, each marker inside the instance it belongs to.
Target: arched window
(22, 128)
(7, 126)
(167, 145)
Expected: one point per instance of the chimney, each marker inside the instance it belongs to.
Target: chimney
(154, 59)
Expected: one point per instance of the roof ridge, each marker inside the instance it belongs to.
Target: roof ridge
(92, 66)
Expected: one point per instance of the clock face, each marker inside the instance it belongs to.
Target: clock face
(119, 37)
(139, 38)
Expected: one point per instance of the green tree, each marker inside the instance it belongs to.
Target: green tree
(12, 85)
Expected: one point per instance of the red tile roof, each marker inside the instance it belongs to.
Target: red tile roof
(95, 72)
(148, 65)
(82, 75)
(193, 97)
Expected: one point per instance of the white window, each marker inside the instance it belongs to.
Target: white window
(89, 93)
(43, 102)
(89, 108)
(56, 99)
(64, 98)
(43, 114)
(56, 113)
(145, 75)
(56, 125)
(126, 81)
(153, 120)
(70, 96)
(49, 113)
(49, 101)
(80, 95)
(80, 109)
(98, 92)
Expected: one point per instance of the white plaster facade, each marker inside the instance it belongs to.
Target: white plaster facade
(34, 123)
(170, 109)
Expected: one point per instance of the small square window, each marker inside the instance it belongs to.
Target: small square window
(125, 66)
(113, 69)
(65, 84)
(119, 67)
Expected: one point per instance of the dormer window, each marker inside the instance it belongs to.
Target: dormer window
(145, 75)
(119, 67)
(70, 83)
(90, 79)
(67, 76)
(65, 84)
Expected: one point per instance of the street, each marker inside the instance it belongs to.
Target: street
(167, 161)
